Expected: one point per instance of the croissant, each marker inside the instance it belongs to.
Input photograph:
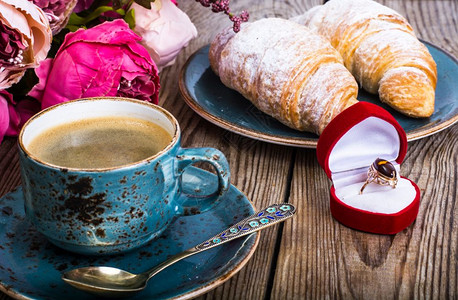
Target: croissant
(286, 71)
(380, 49)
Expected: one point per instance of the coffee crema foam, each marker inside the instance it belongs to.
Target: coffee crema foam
(98, 143)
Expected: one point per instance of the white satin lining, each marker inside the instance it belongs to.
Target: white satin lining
(352, 156)
(378, 198)
(363, 143)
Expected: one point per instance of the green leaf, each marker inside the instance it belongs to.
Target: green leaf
(77, 20)
(130, 18)
(74, 28)
(121, 11)
(144, 3)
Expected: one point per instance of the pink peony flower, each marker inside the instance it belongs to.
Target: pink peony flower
(164, 29)
(5, 100)
(13, 115)
(57, 11)
(105, 60)
(25, 39)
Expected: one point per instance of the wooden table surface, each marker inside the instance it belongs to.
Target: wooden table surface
(312, 255)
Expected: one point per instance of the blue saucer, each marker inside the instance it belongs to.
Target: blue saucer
(31, 267)
(211, 99)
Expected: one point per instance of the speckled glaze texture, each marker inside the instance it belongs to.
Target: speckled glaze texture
(118, 209)
(31, 266)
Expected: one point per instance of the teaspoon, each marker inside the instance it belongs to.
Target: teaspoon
(114, 282)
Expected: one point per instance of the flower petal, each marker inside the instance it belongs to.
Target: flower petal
(164, 31)
(38, 30)
(4, 113)
(23, 111)
(30, 22)
(97, 62)
(42, 73)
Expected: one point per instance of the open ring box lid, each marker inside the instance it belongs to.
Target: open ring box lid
(348, 146)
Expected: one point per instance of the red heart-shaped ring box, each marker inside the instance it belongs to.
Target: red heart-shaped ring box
(348, 146)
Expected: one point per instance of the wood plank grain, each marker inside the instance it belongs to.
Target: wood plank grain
(258, 169)
(9, 165)
(320, 258)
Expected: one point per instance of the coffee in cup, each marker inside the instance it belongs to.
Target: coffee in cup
(93, 207)
(99, 143)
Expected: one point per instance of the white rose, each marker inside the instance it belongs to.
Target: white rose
(164, 29)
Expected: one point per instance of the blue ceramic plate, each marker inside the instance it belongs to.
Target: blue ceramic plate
(30, 267)
(207, 96)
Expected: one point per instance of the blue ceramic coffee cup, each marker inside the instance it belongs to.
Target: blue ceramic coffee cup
(111, 210)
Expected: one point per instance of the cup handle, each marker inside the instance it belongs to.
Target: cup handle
(188, 156)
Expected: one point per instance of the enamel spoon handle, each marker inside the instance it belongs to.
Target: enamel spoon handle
(269, 216)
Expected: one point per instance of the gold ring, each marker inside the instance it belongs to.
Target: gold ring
(381, 172)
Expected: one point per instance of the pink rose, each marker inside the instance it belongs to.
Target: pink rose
(164, 29)
(105, 60)
(13, 115)
(57, 11)
(25, 39)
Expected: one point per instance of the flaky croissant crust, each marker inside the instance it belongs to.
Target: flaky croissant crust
(380, 49)
(286, 71)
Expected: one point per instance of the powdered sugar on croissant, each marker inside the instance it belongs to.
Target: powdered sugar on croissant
(381, 50)
(286, 71)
